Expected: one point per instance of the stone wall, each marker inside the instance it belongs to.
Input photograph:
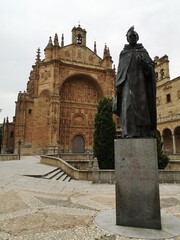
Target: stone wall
(173, 165)
(77, 156)
(67, 168)
(5, 157)
(169, 176)
(174, 157)
(82, 164)
(102, 176)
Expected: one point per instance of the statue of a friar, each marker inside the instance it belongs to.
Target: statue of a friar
(136, 89)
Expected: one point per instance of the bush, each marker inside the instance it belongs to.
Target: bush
(162, 158)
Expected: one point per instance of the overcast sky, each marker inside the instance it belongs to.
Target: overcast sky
(26, 25)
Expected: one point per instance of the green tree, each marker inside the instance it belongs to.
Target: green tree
(104, 134)
(162, 158)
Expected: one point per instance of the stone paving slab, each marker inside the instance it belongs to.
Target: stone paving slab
(42, 209)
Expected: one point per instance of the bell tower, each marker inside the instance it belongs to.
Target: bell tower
(79, 36)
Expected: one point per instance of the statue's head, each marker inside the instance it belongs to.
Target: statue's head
(132, 36)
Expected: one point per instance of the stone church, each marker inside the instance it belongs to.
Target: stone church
(60, 103)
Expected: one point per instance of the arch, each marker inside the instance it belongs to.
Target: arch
(78, 144)
(45, 94)
(78, 119)
(88, 78)
(177, 138)
(167, 140)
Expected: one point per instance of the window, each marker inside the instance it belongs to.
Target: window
(12, 134)
(30, 111)
(79, 39)
(162, 73)
(156, 76)
(168, 98)
(178, 93)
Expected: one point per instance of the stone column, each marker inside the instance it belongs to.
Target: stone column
(137, 183)
(174, 143)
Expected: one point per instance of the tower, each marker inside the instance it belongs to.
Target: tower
(79, 36)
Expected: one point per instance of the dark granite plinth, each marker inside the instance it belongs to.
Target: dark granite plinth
(137, 183)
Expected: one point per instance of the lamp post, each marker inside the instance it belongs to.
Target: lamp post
(19, 148)
(59, 150)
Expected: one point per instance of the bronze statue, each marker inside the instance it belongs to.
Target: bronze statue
(136, 89)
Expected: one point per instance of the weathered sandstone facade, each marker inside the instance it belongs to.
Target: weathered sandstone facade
(63, 91)
(168, 106)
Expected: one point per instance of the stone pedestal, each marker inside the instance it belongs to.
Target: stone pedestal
(137, 183)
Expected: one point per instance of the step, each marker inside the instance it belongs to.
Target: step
(60, 177)
(56, 173)
(52, 174)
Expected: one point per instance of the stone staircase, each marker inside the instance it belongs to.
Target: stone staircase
(55, 174)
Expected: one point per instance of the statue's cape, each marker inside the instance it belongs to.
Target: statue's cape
(125, 59)
(150, 81)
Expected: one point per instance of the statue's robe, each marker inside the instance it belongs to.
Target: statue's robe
(136, 92)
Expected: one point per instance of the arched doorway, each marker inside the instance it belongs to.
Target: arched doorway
(78, 144)
(167, 140)
(177, 139)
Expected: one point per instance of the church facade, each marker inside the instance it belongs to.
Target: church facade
(63, 91)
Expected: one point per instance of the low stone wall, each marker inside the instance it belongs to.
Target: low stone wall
(81, 164)
(108, 176)
(173, 165)
(77, 156)
(174, 156)
(6, 157)
(169, 176)
(67, 168)
(102, 176)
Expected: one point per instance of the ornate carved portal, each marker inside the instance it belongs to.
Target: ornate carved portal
(79, 97)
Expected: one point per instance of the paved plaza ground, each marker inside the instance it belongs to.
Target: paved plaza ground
(36, 208)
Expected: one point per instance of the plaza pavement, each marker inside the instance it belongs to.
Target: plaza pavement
(36, 208)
